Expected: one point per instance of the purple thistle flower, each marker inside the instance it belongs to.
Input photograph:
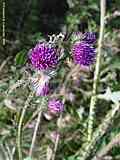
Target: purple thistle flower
(55, 106)
(43, 56)
(83, 53)
(41, 85)
(89, 37)
(43, 91)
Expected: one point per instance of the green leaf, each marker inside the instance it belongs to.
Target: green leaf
(20, 58)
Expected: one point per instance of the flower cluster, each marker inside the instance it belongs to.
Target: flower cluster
(44, 57)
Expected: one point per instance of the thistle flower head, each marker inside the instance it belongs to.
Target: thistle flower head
(89, 37)
(41, 85)
(55, 106)
(43, 56)
(83, 53)
(43, 90)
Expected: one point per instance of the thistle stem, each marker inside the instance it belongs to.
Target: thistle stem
(20, 125)
(36, 127)
(35, 133)
(97, 70)
(55, 148)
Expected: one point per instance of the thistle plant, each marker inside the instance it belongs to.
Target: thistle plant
(58, 101)
(44, 59)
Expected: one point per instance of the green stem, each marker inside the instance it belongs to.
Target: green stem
(20, 125)
(37, 126)
(57, 140)
(97, 69)
(55, 148)
(35, 133)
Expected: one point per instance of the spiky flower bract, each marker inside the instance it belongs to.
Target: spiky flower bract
(43, 56)
(83, 53)
(55, 106)
(77, 36)
(89, 37)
